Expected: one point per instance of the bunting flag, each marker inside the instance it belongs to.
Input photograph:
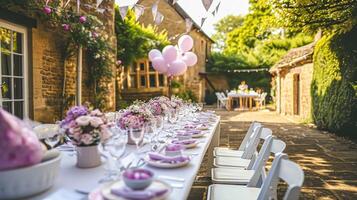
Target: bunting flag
(99, 2)
(139, 11)
(207, 4)
(158, 18)
(203, 21)
(123, 11)
(217, 7)
(154, 9)
(214, 13)
(189, 24)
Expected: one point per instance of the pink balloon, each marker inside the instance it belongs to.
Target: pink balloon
(185, 43)
(159, 64)
(176, 68)
(154, 53)
(189, 58)
(169, 53)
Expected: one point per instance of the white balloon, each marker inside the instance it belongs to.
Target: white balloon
(169, 53)
(190, 58)
(159, 64)
(177, 68)
(185, 43)
(154, 53)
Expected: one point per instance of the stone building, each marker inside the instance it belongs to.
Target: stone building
(141, 81)
(34, 71)
(291, 82)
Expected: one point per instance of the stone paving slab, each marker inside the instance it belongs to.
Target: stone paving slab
(329, 162)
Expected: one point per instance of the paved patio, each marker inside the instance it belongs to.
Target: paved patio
(329, 162)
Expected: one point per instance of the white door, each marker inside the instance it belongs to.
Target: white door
(13, 73)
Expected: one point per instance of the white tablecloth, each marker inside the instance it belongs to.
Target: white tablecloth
(73, 178)
(231, 94)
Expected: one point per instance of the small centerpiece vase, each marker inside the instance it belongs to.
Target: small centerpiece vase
(88, 156)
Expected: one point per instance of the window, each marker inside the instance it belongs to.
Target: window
(142, 75)
(13, 73)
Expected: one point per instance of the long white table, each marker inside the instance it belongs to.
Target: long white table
(72, 178)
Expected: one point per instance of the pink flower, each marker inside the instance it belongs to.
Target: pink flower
(104, 134)
(96, 121)
(86, 139)
(83, 120)
(96, 112)
(66, 27)
(118, 62)
(82, 19)
(47, 10)
(95, 34)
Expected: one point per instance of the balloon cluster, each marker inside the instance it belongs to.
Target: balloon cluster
(174, 61)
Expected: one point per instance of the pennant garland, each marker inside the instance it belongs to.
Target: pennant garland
(158, 18)
(203, 21)
(154, 9)
(207, 4)
(123, 11)
(189, 24)
(139, 11)
(217, 7)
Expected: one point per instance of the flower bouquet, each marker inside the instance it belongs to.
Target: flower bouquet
(134, 118)
(86, 129)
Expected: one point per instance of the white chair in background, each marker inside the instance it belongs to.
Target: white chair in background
(246, 161)
(221, 100)
(225, 151)
(282, 168)
(260, 101)
(256, 175)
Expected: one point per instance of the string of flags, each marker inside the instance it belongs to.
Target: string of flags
(248, 70)
(159, 17)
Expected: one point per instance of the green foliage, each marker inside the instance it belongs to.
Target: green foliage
(316, 14)
(223, 27)
(175, 84)
(188, 95)
(334, 94)
(135, 40)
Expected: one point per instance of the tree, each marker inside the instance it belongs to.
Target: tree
(223, 27)
(316, 14)
(134, 40)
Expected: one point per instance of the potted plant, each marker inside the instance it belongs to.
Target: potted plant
(175, 85)
(86, 129)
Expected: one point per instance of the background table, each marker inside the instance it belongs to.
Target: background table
(72, 178)
(241, 97)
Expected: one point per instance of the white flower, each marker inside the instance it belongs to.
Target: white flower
(83, 120)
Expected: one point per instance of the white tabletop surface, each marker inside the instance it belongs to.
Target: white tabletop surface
(242, 94)
(71, 178)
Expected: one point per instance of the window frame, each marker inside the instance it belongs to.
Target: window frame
(25, 83)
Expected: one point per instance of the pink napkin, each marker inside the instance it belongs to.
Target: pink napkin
(184, 142)
(19, 145)
(167, 159)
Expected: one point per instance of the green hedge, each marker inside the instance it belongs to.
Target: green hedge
(334, 84)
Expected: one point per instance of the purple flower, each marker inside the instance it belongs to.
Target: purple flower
(47, 10)
(74, 113)
(82, 19)
(66, 27)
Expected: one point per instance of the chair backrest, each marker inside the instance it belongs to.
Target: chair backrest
(218, 95)
(252, 143)
(270, 145)
(251, 128)
(288, 171)
(223, 95)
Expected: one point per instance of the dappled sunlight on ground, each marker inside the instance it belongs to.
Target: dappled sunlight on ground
(329, 162)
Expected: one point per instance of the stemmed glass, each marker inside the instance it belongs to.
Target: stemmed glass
(137, 135)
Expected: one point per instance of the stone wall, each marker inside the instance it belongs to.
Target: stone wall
(47, 55)
(175, 25)
(287, 91)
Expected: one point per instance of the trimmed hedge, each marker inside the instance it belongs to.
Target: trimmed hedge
(334, 84)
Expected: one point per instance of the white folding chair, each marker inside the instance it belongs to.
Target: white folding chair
(282, 168)
(225, 151)
(260, 101)
(248, 157)
(257, 174)
(221, 100)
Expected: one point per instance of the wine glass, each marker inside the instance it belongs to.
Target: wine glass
(137, 135)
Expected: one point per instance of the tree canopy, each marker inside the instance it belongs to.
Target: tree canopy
(135, 40)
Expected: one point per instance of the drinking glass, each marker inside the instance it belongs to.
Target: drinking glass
(137, 135)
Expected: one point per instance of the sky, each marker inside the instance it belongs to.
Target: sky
(196, 10)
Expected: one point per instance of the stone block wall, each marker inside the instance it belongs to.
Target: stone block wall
(287, 91)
